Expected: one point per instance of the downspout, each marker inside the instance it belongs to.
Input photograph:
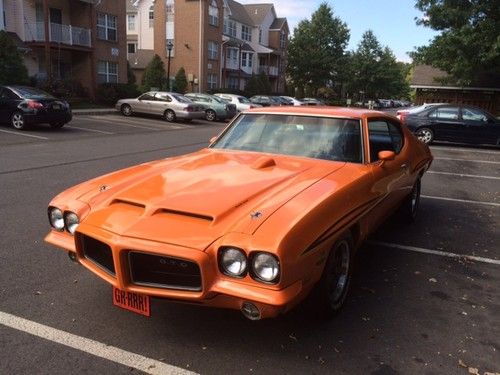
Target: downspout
(200, 59)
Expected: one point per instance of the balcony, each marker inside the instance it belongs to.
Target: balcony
(269, 70)
(64, 34)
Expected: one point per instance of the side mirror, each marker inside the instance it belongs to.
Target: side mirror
(384, 156)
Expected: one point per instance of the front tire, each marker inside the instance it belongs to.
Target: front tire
(126, 110)
(412, 203)
(210, 115)
(18, 121)
(169, 115)
(425, 135)
(334, 284)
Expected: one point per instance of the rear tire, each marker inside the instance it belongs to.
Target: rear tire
(169, 115)
(425, 135)
(210, 115)
(126, 110)
(18, 121)
(333, 287)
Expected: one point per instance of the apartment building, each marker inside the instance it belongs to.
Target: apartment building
(219, 43)
(82, 40)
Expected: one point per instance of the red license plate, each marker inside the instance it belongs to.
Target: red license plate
(135, 302)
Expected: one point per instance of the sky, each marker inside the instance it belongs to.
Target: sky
(392, 21)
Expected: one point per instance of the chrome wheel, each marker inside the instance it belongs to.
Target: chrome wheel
(126, 110)
(18, 121)
(210, 115)
(170, 116)
(338, 276)
(425, 135)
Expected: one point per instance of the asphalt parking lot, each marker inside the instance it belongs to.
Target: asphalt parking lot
(425, 299)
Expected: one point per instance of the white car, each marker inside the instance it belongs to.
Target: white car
(242, 103)
(295, 101)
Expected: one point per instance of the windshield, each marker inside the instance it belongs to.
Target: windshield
(314, 137)
(217, 99)
(32, 93)
(244, 100)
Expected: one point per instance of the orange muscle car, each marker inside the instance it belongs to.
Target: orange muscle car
(275, 207)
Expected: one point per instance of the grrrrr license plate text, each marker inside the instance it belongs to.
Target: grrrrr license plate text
(131, 301)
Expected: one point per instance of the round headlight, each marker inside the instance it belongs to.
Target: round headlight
(71, 221)
(266, 267)
(56, 218)
(233, 262)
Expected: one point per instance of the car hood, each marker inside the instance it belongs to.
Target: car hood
(195, 199)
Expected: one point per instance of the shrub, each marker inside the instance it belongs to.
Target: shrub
(181, 83)
(154, 75)
(110, 93)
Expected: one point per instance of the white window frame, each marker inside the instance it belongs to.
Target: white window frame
(246, 59)
(246, 33)
(135, 47)
(107, 71)
(151, 16)
(106, 23)
(211, 81)
(213, 50)
(131, 22)
(213, 13)
(283, 39)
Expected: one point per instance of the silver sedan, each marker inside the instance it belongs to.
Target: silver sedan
(170, 105)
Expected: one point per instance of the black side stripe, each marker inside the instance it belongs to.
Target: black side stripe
(333, 229)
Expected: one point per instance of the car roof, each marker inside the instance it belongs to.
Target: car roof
(321, 111)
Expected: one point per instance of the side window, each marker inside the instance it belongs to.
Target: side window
(146, 96)
(7, 94)
(471, 114)
(397, 137)
(445, 113)
(383, 136)
(163, 97)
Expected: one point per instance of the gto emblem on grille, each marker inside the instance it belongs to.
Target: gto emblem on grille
(256, 215)
(173, 262)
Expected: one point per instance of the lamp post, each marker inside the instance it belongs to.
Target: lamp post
(170, 45)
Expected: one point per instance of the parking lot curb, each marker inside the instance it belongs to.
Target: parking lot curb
(93, 112)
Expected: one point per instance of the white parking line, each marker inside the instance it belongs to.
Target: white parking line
(473, 161)
(435, 252)
(24, 135)
(111, 353)
(465, 150)
(90, 130)
(460, 200)
(465, 175)
(120, 123)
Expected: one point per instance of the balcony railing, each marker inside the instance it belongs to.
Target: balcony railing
(65, 34)
(269, 70)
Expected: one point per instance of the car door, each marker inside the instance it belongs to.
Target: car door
(143, 103)
(479, 126)
(392, 181)
(446, 123)
(162, 102)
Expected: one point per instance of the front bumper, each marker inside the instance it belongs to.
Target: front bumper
(216, 290)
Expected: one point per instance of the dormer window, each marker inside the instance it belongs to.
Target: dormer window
(213, 13)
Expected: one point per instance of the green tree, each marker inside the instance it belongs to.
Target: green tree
(258, 84)
(181, 83)
(316, 50)
(468, 47)
(12, 69)
(375, 73)
(154, 75)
